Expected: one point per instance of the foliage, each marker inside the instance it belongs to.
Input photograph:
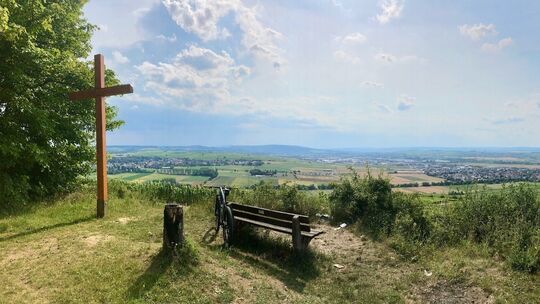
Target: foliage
(508, 221)
(46, 138)
(370, 201)
(254, 172)
(162, 192)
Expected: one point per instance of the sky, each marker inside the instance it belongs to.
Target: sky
(323, 73)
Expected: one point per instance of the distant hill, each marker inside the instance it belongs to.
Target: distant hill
(277, 150)
(300, 151)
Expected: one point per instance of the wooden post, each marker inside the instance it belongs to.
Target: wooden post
(297, 234)
(101, 149)
(173, 226)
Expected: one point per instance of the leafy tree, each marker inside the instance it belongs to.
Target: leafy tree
(46, 140)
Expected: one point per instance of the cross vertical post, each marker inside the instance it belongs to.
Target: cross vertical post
(99, 93)
(101, 145)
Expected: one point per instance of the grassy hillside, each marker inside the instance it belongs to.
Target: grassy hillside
(60, 253)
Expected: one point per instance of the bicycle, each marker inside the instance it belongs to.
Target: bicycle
(224, 216)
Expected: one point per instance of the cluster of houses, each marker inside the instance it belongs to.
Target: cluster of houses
(483, 174)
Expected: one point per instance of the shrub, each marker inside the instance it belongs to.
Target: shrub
(411, 220)
(508, 221)
(366, 199)
(370, 201)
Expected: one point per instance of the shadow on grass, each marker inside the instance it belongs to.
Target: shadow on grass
(165, 265)
(46, 228)
(276, 257)
(209, 236)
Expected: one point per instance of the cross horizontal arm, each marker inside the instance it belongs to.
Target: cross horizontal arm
(102, 92)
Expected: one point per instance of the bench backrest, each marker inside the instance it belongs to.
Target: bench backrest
(277, 218)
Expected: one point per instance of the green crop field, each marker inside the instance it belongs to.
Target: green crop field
(130, 176)
(152, 176)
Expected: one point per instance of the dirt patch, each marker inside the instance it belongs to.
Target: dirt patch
(446, 293)
(347, 247)
(94, 240)
(125, 220)
(42, 248)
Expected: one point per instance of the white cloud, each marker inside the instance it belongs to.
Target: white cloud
(389, 58)
(165, 38)
(372, 84)
(201, 80)
(522, 107)
(241, 71)
(303, 110)
(353, 38)
(202, 18)
(147, 100)
(508, 120)
(118, 57)
(337, 3)
(384, 57)
(390, 9)
(198, 79)
(204, 59)
(405, 102)
(477, 31)
(494, 47)
(119, 21)
(384, 108)
(346, 57)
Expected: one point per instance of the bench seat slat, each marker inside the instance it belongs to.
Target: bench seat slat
(309, 234)
(268, 212)
(269, 220)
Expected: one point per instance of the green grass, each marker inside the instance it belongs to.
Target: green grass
(130, 176)
(59, 253)
(152, 176)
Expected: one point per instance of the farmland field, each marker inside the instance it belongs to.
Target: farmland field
(244, 169)
(425, 190)
(152, 176)
(287, 171)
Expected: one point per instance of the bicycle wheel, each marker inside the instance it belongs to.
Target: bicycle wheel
(217, 213)
(228, 226)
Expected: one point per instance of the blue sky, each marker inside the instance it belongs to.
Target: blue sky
(323, 73)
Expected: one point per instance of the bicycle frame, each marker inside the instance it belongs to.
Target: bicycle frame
(221, 202)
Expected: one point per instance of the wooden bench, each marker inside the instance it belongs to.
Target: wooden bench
(294, 224)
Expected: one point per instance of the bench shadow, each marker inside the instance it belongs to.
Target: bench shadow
(164, 263)
(276, 257)
(46, 228)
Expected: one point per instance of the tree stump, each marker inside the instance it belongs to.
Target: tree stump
(173, 226)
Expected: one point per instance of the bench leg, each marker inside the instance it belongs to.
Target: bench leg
(300, 243)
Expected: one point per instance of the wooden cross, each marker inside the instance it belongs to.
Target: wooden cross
(99, 93)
